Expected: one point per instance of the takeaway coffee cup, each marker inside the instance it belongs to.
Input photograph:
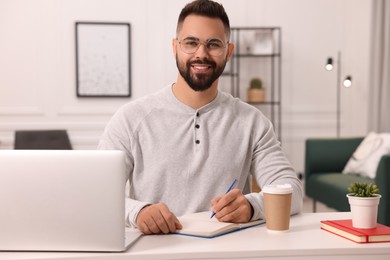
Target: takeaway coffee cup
(277, 205)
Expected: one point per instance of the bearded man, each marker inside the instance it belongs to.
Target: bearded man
(185, 144)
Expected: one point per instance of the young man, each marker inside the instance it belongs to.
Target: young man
(188, 142)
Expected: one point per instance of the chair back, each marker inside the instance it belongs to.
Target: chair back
(42, 139)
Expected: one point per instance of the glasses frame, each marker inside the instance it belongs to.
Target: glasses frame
(225, 44)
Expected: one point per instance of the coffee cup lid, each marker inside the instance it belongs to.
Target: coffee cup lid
(277, 189)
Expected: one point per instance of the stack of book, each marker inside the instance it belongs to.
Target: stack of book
(344, 228)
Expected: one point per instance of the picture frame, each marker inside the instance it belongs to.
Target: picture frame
(103, 59)
(263, 42)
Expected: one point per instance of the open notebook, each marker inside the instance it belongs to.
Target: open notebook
(200, 225)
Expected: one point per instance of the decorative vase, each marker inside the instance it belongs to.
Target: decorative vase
(256, 95)
(364, 211)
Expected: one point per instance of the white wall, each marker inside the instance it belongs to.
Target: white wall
(37, 63)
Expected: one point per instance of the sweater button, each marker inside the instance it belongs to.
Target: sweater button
(197, 142)
(197, 114)
(197, 126)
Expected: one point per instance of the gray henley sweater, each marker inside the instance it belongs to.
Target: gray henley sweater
(185, 157)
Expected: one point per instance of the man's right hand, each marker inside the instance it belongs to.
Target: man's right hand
(157, 218)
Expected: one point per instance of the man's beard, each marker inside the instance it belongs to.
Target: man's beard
(200, 81)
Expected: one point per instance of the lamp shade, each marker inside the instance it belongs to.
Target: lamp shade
(347, 81)
(329, 64)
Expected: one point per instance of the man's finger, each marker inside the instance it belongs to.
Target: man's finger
(152, 225)
(226, 200)
(169, 220)
(178, 225)
(226, 213)
(144, 229)
(161, 223)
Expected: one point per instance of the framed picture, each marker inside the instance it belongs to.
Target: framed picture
(103, 59)
(263, 42)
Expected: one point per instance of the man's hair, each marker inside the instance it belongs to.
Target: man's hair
(205, 8)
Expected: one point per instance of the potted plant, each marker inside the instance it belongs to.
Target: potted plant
(364, 200)
(256, 91)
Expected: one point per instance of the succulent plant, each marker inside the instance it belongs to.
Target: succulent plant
(256, 83)
(363, 189)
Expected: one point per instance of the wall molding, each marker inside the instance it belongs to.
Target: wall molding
(87, 111)
(69, 125)
(21, 111)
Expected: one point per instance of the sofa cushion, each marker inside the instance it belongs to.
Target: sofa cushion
(332, 188)
(365, 159)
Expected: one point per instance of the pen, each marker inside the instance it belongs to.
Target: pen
(230, 188)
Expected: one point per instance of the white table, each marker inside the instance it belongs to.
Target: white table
(305, 240)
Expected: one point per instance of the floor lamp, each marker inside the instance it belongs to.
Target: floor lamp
(347, 82)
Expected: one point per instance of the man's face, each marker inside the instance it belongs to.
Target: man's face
(201, 68)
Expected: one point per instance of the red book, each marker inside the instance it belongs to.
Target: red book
(344, 228)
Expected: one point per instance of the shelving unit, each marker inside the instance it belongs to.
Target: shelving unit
(257, 54)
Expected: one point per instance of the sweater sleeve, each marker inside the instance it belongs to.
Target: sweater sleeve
(116, 136)
(271, 166)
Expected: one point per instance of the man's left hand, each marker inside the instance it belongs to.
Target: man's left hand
(232, 207)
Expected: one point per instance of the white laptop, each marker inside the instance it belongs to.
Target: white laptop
(63, 200)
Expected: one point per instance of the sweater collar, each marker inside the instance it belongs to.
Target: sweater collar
(187, 109)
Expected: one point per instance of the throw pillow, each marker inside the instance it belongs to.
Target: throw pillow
(366, 157)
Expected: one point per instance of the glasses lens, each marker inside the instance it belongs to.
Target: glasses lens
(214, 47)
(189, 46)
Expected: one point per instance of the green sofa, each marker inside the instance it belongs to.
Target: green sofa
(324, 161)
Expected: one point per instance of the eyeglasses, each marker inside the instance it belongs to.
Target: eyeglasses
(215, 47)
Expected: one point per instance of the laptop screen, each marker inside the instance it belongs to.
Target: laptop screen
(62, 200)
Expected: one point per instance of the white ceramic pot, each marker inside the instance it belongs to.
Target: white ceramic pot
(364, 211)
